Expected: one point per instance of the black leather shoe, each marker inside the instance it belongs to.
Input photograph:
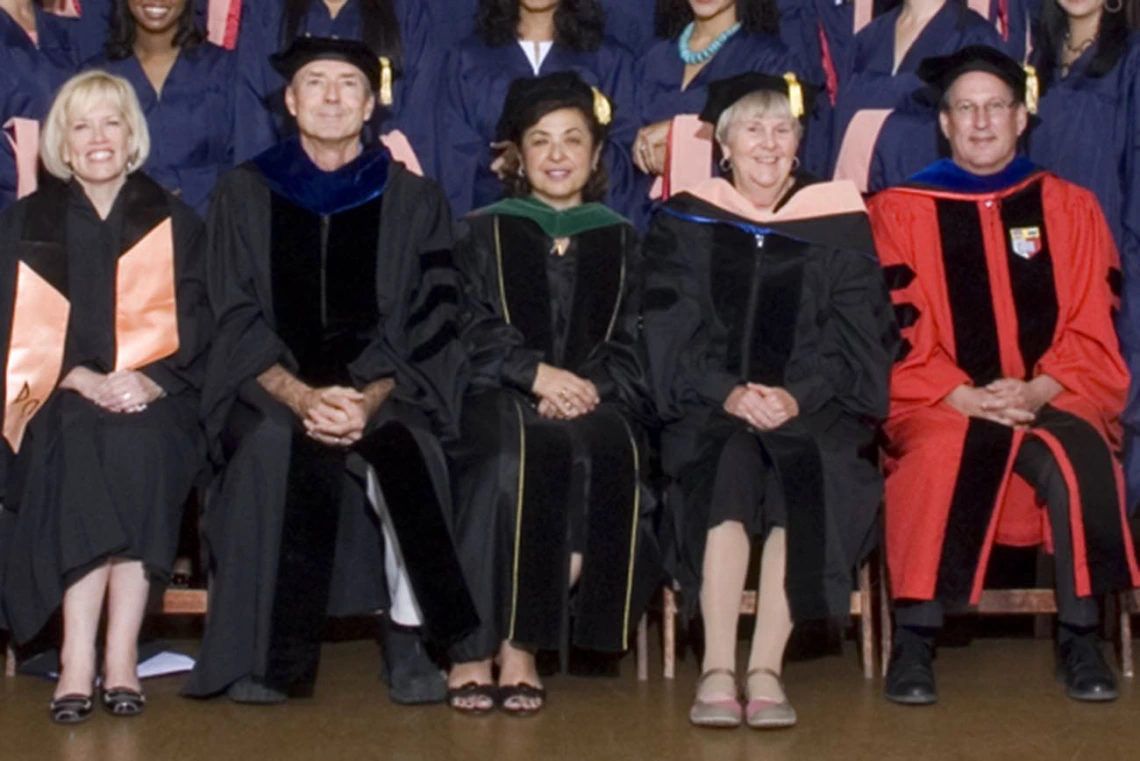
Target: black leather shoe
(1081, 666)
(413, 678)
(910, 677)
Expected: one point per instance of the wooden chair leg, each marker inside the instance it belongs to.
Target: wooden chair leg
(1126, 664)
(669, 633)
(643, 649)
(867, 621)
(886, 626)
(10, 661)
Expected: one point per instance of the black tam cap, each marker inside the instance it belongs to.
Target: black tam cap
(724, 93)
(305, 50)
(941, 72)
(531, 98)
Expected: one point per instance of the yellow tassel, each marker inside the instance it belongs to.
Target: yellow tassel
(385, 81)
(1032, 89)
(603, 111)
(795, 95)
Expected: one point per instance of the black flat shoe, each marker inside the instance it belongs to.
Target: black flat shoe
(253, 691)
(487, 696)
(71, 709)
(1083, 670)
(910, 677)
(510, 692)
(122, 701)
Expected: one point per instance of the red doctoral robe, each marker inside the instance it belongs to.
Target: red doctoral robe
(1006, 277)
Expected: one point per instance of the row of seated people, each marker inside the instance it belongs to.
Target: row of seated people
(449, 423)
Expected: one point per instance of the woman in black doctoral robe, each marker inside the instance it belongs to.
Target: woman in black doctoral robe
(105, 321)
(769, 340)
(551, 514)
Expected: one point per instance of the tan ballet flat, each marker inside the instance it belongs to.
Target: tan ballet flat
(720, 711)
(766, 713)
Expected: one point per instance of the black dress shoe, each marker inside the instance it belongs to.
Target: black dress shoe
(910, 676)
(413, 678)
(1081, 666)
(255, 692)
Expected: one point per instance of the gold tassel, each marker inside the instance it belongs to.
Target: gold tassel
(385, 81)
(603, 111)
(1032, 89)
(795, 95)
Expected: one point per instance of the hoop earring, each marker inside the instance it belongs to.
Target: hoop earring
(1119, 6)
(725, 166)
(522, 174)
(795, 163)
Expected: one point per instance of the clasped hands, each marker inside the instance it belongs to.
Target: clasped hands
(1007, 401)
(335, 416)
(765, 408)
(124, 391)
(562, 395)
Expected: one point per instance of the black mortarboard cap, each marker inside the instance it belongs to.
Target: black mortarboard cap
(531, 98)
(942, 71)
(304, 50)
(723, 93)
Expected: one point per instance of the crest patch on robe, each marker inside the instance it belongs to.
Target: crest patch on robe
(1026, 241)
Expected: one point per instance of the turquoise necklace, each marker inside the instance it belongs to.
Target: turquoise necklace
(692, 58)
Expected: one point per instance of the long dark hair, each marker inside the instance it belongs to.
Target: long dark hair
(755, 17)
(1053, 25)
(579, 25)
(380, 28)
(123, 32)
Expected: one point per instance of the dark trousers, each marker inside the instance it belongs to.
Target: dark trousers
(1036, 464)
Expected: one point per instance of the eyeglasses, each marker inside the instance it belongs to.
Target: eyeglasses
(994, 109)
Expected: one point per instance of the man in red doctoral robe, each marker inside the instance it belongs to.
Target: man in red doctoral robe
(1006, 397)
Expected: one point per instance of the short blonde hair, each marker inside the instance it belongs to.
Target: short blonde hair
(78, 95)
(756, 104)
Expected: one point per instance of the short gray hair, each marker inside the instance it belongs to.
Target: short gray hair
(756, 104)
(79, 94)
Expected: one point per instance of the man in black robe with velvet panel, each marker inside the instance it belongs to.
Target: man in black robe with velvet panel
(334, 366)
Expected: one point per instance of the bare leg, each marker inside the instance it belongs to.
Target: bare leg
(126, 605)
(82, 608)
(725, 566)
(773, 619)
(576, 561)
(517, 666)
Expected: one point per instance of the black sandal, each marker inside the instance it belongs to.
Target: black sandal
(524, 691)
(473, 690)
(123, 701)
(71, 709)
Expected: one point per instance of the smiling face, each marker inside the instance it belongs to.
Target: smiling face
(558, 157)
(982, 122)
(97, 143)
(707, 9)
(760, 144)
(331, 100)
(1080, 9)
(157, 16)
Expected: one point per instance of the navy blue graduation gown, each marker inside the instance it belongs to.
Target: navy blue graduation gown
(659, 95)
(30, 74)
(191, 123)
(910, 141)
(259, 106)
(630, 22)
(1089, 133)
(868, 81)
(478, 78)
(88, 31)
(452, 21)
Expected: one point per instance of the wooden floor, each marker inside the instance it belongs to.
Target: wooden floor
(999, 700)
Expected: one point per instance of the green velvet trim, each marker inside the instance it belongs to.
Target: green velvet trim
(557, 224)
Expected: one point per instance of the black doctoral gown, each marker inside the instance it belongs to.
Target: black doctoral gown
(792, 299)
(85, 484)
(531, 491)
(343, 278)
